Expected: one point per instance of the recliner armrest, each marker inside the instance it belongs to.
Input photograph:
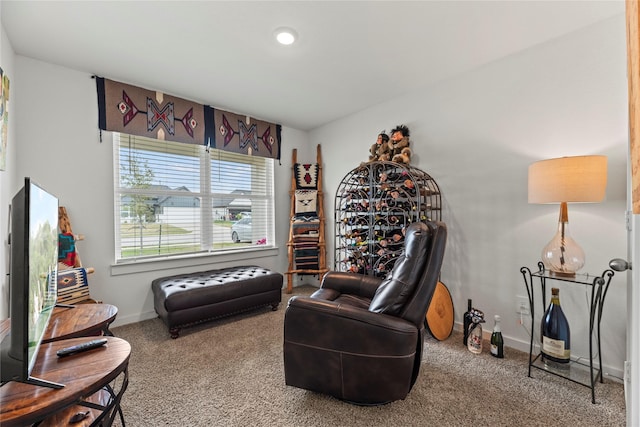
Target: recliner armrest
(351, 283)
(341, 327)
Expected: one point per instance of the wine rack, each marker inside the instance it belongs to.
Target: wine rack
(374, 204)
(586, 374)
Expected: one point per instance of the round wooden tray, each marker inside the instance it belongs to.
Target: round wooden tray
(440, 313)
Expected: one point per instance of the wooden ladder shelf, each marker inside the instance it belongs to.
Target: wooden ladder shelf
(298, 223)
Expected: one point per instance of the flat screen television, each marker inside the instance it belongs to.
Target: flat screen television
(33, 242)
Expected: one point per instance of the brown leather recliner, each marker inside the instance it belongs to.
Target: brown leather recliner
(359, 338)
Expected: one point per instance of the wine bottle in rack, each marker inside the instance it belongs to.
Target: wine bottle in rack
(424, 191)
(555, 334)
(409, 187)
(355, 220)
(355, 232)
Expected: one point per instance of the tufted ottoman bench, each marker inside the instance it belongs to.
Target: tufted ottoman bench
(191, 298)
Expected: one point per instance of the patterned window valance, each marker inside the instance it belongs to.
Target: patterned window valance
(142, 112)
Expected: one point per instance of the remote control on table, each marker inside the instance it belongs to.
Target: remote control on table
(81, 347)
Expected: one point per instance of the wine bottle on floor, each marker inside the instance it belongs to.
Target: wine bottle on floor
(497, 344)
(555, 334)
(466, 318)
(474, 341)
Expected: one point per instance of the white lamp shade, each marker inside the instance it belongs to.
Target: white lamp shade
(568, 179)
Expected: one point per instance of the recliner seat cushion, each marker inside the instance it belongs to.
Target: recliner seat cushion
(399, 285)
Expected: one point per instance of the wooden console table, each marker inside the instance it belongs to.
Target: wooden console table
(81, 320)
(83, 374)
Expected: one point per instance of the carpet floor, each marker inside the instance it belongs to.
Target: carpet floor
(230, 373)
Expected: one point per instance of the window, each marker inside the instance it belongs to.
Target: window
(176, 199)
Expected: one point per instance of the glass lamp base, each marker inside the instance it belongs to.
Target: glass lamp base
(562, 255)
(563, 258)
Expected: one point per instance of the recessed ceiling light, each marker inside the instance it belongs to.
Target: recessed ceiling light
(285, 35)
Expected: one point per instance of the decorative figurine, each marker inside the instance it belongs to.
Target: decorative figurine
(399, 145)
(381, 149)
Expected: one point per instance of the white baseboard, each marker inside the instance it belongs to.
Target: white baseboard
(125, 320)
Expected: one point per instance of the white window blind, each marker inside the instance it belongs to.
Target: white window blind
(176, 199)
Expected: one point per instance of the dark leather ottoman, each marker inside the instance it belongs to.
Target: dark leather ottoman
(188, 299)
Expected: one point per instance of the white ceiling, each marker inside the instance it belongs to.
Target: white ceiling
(350, 54)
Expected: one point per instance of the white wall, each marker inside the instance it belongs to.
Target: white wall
(7, 176)
(59, 147)
(477, 134)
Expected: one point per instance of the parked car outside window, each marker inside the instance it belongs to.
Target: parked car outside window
(241, 230)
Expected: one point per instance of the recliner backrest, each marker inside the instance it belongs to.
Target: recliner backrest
(402, 281)
(416, 307)
(409, 287)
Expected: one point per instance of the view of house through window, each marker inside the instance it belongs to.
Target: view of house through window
(175, 199)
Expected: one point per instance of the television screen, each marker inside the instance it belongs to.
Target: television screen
(43, 260)
(33, 279)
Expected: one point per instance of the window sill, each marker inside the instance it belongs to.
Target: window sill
(209, 259)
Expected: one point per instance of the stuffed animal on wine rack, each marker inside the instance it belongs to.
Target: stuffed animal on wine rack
(399, 145)
(380, 150)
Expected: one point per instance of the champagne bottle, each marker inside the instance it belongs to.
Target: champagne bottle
(466, 319)
(497, 344)
(555, 333)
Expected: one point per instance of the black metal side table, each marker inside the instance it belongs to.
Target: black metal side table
(578, 372)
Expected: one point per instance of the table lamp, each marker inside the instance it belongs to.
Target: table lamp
(564, 180)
